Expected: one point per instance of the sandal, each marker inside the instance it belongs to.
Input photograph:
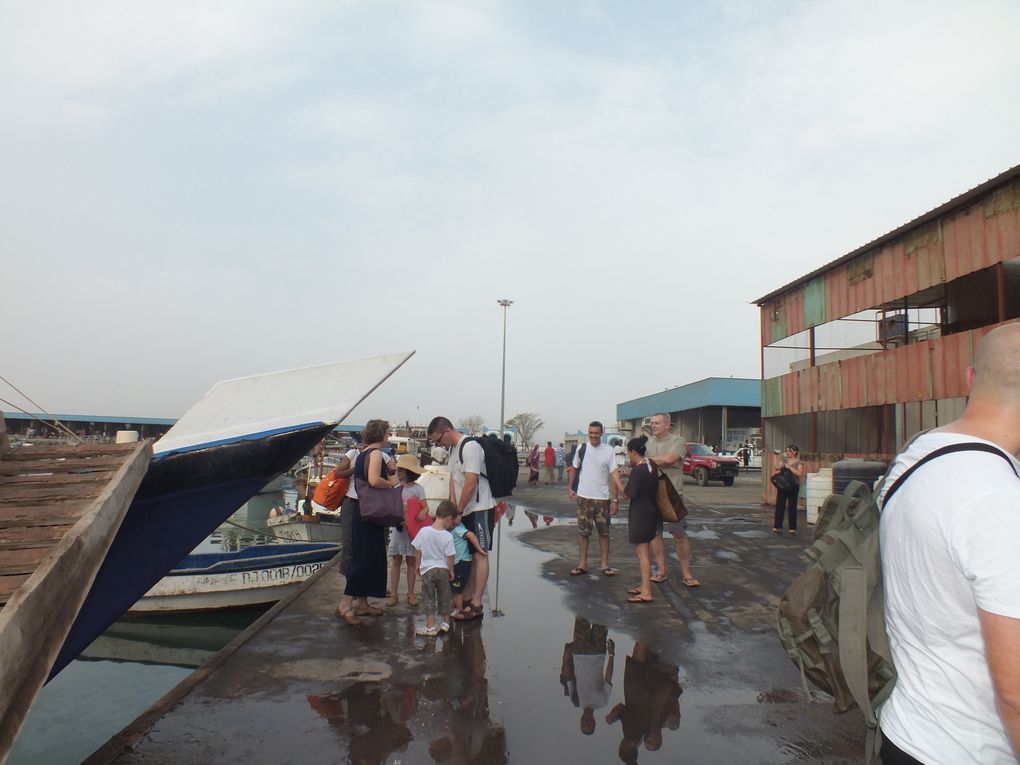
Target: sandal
(578, 571)
(369, 611)
(468, 612)
(660, 578)
(634, 591)
(347, 616)
(392, 600)
(639, 599)
(609, 572)
(412, 599)
(690, 581)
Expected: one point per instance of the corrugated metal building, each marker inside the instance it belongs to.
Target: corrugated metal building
(862, 353)
(717, 410)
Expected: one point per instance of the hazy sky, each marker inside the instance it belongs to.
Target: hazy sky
(196, 191)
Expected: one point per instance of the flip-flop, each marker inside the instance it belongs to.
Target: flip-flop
(609, 572)
(639, 599)
(690, 581)
(578, 571)
(659, 578)
(634, 591)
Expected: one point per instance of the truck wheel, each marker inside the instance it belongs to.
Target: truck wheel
(702, 475)
(727, 481)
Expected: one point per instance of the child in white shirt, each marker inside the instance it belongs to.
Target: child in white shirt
(433, 557)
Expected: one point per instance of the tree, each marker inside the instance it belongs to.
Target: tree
(472, 424)
(527, 424)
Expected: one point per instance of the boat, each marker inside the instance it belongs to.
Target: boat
(86, 530)
(238, 438)
(319, 527)
(259, 575)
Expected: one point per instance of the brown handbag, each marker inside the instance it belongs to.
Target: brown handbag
(671, 505)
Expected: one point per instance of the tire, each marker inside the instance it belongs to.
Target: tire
(701, 474)
(727, 481)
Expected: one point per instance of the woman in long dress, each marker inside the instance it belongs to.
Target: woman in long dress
(533, 463)
(643, 514)
(366, 571)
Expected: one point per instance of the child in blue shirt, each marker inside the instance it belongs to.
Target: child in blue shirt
(464, 542)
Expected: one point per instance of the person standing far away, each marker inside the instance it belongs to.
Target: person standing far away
(561, 462)
(472, 496)
(597, 478)
(952, 584)
(549, 462)
(666, 452)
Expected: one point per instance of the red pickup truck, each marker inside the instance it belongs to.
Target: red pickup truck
(704, 465)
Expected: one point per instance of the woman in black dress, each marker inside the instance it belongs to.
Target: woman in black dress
(643, 515)
(366, 566)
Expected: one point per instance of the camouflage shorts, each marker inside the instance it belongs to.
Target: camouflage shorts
(592, 513)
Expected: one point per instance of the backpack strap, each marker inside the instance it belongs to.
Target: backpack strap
(967, 446)
(463, 443)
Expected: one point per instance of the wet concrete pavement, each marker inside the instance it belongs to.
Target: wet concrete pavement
(698, 675)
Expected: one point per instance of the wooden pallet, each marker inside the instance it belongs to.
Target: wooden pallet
(60, 508)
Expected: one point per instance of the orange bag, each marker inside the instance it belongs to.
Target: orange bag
(331, 490)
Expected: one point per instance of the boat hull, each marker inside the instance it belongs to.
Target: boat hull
(302, 531)
(254, 576)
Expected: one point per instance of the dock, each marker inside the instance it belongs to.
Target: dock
(300, 686)
(60, 507)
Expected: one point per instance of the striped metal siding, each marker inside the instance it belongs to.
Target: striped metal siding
(925, 371)
(981, 235)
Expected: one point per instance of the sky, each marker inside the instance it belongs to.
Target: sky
(199, 191)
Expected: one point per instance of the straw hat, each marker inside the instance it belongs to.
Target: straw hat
(409, 463)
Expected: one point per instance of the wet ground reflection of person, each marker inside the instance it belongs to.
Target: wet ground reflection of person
(470, 735)
(651, 693)
(586, 675)
(371, 718)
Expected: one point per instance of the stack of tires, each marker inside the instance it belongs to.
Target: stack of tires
(865, 471)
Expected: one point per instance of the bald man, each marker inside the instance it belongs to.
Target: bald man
(951, 570)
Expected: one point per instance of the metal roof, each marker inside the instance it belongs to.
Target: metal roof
(712, 391)
(102, 418)
(957, 202)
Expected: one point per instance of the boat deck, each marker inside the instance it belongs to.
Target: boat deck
(60, 507)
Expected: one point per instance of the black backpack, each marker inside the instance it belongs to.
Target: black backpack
(501, 465)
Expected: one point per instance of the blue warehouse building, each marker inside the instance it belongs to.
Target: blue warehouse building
(719, 411)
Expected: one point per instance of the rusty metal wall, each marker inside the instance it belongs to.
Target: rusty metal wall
(983, 234)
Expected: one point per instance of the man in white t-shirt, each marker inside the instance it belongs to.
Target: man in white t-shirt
(952, 584)
(470, 492)
(597, 476)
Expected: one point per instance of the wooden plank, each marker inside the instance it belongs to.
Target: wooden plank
(61, 465)
(9, 585)
(58, 479)
(26, 453)
(32, 493)
(46, 605)
(41, 514)
(31, 536)
(22, 561)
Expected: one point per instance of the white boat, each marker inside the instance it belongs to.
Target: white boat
(254, 576)
(321, 527)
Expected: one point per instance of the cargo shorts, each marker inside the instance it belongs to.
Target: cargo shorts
(592, 513)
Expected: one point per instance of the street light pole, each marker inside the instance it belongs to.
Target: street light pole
(502, 428)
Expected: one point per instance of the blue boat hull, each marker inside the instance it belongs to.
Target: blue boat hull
(182, 499)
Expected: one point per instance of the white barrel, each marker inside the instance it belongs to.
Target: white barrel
(126, 436)
(819, 486)
(435, 479)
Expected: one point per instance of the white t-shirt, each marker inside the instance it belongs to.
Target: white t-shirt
(435, 544)
(352, 455)
(599, 463)
(589, 673)
(474, 462)
(949, 539)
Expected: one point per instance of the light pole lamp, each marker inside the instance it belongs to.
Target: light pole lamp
(505, 303)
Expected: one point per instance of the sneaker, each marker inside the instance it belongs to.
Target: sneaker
(426, 631)
(444, 627)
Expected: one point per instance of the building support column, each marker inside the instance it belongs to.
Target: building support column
(722, 436)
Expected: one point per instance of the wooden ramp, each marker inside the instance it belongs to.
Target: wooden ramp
(60, 508)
